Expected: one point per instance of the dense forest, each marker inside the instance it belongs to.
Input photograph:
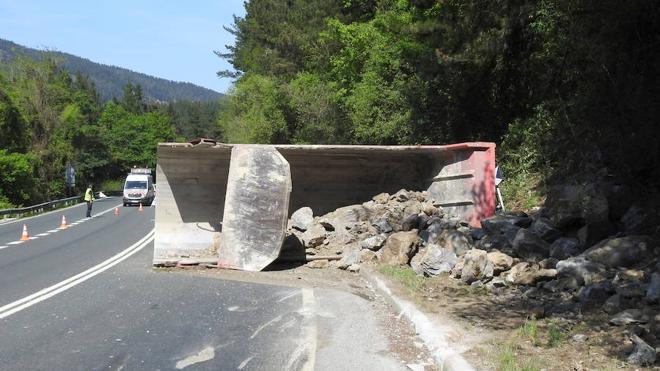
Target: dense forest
(567, 89)
(110, 80)
(50, 118)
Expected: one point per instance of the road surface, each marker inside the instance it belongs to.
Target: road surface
(87, 298)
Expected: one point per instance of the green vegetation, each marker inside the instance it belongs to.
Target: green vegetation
(529, 330)
(508, 360)
(110, 81)
(565, 88)
(50, 118)
(405, 276)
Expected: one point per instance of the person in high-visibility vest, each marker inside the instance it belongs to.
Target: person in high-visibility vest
(89, 198)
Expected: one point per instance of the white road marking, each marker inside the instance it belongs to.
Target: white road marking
(53, 290)
(15, 242)
(204, 355)
(34, 238)
(244, 363)
(274, 320)
(53, 231)
(309, 323)
(43, 234)
(3, 247)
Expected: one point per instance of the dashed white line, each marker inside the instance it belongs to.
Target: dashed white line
(34, 238)
(15, 242)
(3, 247)
(53, 230)
(43, 234)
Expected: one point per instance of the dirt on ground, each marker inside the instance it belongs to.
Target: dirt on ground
(403, 343)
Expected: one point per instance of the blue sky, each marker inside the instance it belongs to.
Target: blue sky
(174, 40)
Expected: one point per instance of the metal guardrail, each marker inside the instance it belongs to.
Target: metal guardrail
(36, 209)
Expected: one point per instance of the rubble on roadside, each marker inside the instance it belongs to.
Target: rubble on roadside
(582, 253)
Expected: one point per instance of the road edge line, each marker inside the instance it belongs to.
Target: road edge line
(448, 358)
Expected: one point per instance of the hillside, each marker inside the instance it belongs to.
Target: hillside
(110, 80)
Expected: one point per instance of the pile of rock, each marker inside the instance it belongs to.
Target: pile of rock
(579, 251)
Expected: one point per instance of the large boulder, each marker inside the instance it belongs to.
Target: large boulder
(435, 260)
(301, 219)
(501, 261)
(630, 283)
(595, 294)
(455, 241)
(350, 257)
(653, 290)
(571, 204)
(374, 242)
(345, 217)
(643, 354)
(399, 248)
(638, 220)
(544, 228)
(529, 246)
(502, 229)
(621, 251)
(595, 232)
(565, 247)
(582, 270)
(526, 273)
(476, 266)
(313, 236)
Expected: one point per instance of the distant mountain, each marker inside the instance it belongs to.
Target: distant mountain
(110, 80)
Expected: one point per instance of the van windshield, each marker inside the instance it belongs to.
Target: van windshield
(135, 184)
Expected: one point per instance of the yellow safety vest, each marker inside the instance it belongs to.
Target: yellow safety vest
(88, 195)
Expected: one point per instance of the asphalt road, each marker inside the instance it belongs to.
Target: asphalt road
(87, 298)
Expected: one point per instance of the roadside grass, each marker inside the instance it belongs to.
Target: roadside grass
(404, 276)
(556, 336)
(508, 359)
(529, 330)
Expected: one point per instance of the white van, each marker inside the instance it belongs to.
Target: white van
(139, 187)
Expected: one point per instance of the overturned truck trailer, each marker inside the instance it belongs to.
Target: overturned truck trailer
(229, 204)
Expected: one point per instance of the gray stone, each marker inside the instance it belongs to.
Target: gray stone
(399, 248)
(410, 222)
(526, 273)
(302, 218)
(374, 242)
(433, 232)
(401, 196)
(595, 232)
(501, 230)
(630, 283)
(643, 354)
(383, 225)
(564, 248)
(381, 198)
(314, 236)
(529, 246)
(580, 338)
(568, 204)
(612, 304)
(350, 257)
(368, 256)
(561, 284)
(636, 220)
(595, 294)
(456, 241)
(544, 229)
(458, 268)
(621, 251)
(355, 268)
(345, 217)
(436, 260)
(583, 270)
(476, 266)
(477, 233)
(653, 290)
(501, 262)
(628, 317)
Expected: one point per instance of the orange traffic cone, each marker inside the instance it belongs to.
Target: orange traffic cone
(63, 224)
(25, 236)
(140, 209)
(116, 211)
